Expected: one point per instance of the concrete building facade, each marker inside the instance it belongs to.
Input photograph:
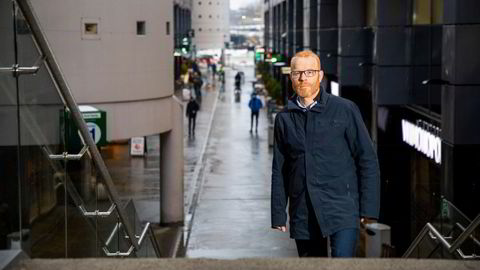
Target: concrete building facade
(116, 56)
(122, 66)
(211, 23)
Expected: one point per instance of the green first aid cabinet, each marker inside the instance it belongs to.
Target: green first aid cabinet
(96, 121)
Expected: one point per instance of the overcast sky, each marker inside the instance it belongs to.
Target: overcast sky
(236, 4)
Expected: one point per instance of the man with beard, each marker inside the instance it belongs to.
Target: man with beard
(324, 166)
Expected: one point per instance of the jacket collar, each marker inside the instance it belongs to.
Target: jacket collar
(321, 98)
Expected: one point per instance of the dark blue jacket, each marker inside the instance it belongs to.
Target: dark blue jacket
(324, 153)
(255, 104)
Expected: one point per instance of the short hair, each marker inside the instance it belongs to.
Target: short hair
(307, 53)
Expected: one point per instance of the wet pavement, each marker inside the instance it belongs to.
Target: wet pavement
(231, 216)
(194, 146)
(137, 178)
(226, 174)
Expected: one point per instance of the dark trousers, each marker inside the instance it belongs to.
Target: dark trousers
(191, 124)
(342, 244)
(198, 92)
(254, 114)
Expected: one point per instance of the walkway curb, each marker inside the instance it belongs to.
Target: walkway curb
(194, 187)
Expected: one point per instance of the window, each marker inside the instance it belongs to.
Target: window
(199, 3)
(210, 16)
(90, 28)
(210, 3)
(167, 25)
(141, 28)
(200, 16)
(200, 29)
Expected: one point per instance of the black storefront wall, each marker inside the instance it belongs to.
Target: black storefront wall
(413, 184)
(410, 181)
(461, 144)
(461, 104)
(354, 43)
(395, 187)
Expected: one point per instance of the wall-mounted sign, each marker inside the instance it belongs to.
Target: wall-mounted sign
(96, 121)
(137, 146)
(422, 139)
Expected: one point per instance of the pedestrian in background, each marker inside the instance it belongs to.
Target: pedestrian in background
(324, 166)
(192, 109)
(214, 71)
(255, 105)
(197, 86)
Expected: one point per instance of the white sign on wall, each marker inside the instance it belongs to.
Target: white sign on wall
(423, 140)
(137, 146)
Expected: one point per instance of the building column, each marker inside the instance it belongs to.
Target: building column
(461, 105)
(171, 169)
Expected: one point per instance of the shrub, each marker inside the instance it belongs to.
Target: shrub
(273, 87)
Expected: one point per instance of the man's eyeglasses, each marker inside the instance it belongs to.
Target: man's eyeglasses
(308, 73)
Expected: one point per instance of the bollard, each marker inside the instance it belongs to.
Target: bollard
(377, 235)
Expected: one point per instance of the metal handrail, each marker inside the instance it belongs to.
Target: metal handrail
(144, 232)
(451, 248)
(428, 228)
(155, 245)
(64, 90)
(475, 240)
(97, 213)
(154, 242)
(140, 238)
(118, 253)
(17, 70)
(112, 234)
(465, 234)
(66, 155)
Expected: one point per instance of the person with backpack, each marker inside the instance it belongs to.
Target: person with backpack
(255, 105)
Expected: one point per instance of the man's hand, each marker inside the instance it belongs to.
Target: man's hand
(365, 220)
(281, 228)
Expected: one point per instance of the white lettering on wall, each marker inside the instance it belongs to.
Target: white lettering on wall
(422, 140)
(334, 88)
